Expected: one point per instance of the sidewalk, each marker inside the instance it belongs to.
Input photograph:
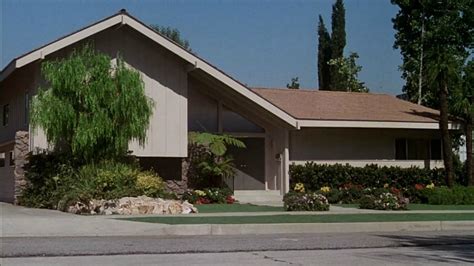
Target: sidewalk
(18, 221)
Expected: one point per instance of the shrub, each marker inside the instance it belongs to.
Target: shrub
(209, 164)
(382, 199)
(54, 183)
(299, 201)
(150, 184)
(45, 174)
(446, 196)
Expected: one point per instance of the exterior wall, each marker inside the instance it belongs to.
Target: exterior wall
(354, 146)
(165, 79)
(7, 178)
(12, 92)
(247, 122)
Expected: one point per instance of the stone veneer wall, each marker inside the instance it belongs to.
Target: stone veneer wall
(21, 150)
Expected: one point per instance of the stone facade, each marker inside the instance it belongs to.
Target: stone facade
(178, 187)
(21, 150)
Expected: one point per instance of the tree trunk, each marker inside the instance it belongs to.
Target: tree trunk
(469, 177)
(443, 125)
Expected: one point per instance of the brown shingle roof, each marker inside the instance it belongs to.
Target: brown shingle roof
(332, 105)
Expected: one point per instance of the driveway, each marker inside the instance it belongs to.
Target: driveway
(16, 221)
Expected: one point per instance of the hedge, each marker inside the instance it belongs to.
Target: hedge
(314, 176)
(448, 196)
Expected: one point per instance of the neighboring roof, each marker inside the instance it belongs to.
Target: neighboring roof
(123, 18)
(347, 106)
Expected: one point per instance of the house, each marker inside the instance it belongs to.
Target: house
(279, 127)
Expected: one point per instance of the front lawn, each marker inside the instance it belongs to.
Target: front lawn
(422, 207)
(335, 218)
(214, 208)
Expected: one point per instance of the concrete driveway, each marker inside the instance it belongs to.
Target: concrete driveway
(17, 221)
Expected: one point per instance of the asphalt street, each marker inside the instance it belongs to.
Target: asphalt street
(300, 249)
(441, 255)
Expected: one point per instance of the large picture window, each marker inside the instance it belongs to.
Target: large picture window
(417, 149)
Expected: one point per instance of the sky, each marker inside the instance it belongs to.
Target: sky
(262, 43)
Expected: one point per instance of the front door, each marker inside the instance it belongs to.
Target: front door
(250, 165)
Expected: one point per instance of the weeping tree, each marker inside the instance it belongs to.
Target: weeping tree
(208, 161)
(91, 108)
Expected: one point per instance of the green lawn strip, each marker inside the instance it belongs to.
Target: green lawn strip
(215, 208)
(339, 218)
(440, 207)
(421, 207)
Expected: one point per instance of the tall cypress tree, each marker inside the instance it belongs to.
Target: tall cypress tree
(324, 55)
(338, 41)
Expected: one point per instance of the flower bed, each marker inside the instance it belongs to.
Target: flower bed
(209, 196)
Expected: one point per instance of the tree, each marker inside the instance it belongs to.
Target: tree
(324, 55)
(409, 23)
(348, 72)
(463, 108)
(172, 34)
(90, 108)
(447, 35)
(294, 84)
(338, 42)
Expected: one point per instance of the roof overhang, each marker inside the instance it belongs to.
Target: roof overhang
(125, 19)
(372, 124)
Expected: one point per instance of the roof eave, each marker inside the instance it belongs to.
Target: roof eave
(305, 123)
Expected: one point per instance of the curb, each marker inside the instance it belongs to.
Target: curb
(301, 228)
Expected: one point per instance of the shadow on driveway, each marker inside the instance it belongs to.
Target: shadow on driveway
(442, 248)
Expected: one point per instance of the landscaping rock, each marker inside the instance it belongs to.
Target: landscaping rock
(133, 206)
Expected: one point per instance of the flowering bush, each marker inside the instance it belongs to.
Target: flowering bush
(347, 193)
(325, 189)
(209, 195)
(299, 201)
(382, 199)
(299, 187)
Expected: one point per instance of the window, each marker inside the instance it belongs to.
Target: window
(435, 149)
(417, 149)
(400, 149)
(6, 110)
(12, 158)
(2, 159)
(27, 107)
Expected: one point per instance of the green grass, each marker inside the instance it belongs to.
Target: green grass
(214, 208)
(420, 207)
(440, 207)
(338, 218)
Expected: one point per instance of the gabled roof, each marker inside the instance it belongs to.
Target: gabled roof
(333, 107)
(123, 18)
